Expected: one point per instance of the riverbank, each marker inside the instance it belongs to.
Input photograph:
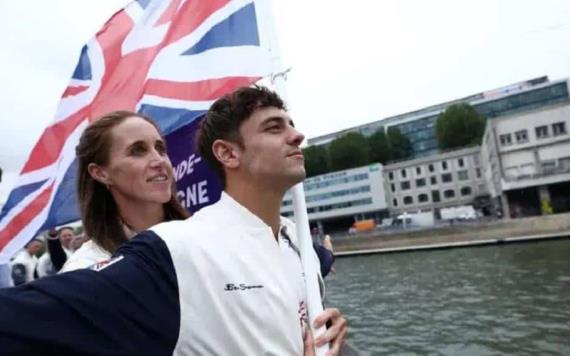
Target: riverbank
(455, 236)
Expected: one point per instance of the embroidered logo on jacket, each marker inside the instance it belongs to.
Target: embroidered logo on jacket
(241, 286)
(104, 264)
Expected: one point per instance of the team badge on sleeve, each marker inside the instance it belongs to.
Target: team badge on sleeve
(104, 264)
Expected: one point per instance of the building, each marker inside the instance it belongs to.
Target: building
(335, 200)
(419, 126)
(526, 155)
(439, 181)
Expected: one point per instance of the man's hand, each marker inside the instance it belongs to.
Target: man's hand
(336, 334)
(308, 343)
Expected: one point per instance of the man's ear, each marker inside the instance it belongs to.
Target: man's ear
(98, 173)
(227, 153)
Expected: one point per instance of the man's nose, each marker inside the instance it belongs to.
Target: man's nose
(297, 137)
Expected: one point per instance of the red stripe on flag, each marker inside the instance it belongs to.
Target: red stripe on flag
(23, 218)
(196, 91)
(71, 91)
(47, 149)
(169, 13)
(191, 15)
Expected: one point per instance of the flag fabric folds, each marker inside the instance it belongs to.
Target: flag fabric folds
(169, 59)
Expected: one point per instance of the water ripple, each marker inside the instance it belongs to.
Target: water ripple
(500, 300)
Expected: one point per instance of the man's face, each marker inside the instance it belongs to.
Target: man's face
(34, 247)
(271, 150)
(65, 237)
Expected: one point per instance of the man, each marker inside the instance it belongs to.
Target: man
(227, 281)
(59, 250)
(24, 264)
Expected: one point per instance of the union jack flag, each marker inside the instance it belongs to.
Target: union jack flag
(168, 59)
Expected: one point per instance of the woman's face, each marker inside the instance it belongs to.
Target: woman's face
(138, 171)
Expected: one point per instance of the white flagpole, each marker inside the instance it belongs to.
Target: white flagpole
(310, 263)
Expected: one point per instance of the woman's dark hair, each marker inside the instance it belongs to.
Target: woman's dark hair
(99, 211)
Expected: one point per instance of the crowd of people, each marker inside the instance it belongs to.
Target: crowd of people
(42, 256)
(150, 278)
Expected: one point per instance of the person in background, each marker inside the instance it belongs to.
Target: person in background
(24, 264)
(59, 249)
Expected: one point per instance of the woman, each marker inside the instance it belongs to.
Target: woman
(125, 184)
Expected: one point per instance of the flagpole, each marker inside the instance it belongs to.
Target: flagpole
(308, 258)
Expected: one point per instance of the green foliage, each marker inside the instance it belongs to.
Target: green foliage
(379, 147)
(459, 125)
(349, 151)
(316, 160)
(400, 145)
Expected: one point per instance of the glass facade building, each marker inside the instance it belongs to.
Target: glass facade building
(420, 126)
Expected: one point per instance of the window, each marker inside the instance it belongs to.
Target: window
(408, 200)
(521, 136)
(431, 168)
(418, 170)
(466, 191)
(476, 161)
(391, 176)
(422, 198)
(461, 162)
(548, 166)
(405, 185)
(541, 131)
(395, 202)
(403, 173)
(559, 128)
(505, 139)
(433, 180)
(393, 187)
(478, 172)
(462, 175)
(446, 178)
(444, 165)
(435, 196)
(448, 194)
(421, 182)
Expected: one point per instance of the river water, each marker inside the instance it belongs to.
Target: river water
(498, 300)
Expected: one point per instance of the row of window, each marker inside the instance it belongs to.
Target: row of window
(445, 178)
(343, 180)
(435, 196)
(343, 205)
(525, 101)
(338, 193)
(445, 166)
(542, 132)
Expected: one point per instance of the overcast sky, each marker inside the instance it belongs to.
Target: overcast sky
(353, 62)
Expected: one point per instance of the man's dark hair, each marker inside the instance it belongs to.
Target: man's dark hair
(60, 230)
(225, 117)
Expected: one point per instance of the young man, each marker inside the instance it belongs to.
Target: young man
(227, 281)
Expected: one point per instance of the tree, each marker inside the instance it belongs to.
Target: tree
(400, 145)
(349, 151)
(459, 125)
(379, 147)
(316, 160)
